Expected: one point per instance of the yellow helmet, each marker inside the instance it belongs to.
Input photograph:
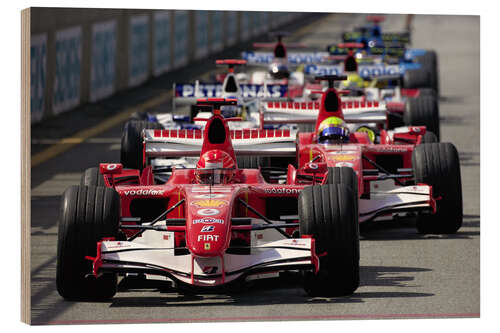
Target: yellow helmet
(333, 130)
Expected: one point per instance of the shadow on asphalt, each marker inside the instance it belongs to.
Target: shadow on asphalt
(405, 229)
(284, 290)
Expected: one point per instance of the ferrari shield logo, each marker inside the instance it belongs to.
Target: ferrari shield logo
(207, 246)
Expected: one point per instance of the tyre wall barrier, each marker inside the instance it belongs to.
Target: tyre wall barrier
(85, 55)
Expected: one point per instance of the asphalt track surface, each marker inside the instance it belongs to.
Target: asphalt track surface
(403, 274)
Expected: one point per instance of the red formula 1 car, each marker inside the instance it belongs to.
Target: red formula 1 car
(210, 226)
(426, 176)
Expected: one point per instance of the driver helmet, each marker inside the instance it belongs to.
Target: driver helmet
(279, 71)
(229, 111)
(215, 167)
(354, 81)
(333, 130)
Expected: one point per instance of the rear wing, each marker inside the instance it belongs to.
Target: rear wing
(364, 70)
(177, 143)
(276, 112)
(188, 93)
(297, 58)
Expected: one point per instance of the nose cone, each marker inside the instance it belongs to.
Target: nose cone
(208, 227)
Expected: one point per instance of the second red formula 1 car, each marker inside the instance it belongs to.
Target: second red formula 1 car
(426, 176)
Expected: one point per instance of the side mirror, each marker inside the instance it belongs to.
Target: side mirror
(110, 168)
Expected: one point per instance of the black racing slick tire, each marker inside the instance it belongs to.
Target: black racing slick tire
(87, 214)
(429, 62)
(429, 137)
(423, 111)
(345, 176)
(417, 78)
(427, 92)
(329, 214)
(92, 177)
(132, 144)
(438, 165)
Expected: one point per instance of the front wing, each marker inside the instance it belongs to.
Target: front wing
(128, 257)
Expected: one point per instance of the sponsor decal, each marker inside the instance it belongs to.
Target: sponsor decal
(282, 190)
(111, 167)
(257, 90)
(210, 196)
(258, 57)
(68, 59)
(215, 90)
(210, 203)
(209, 269)
(208, 238)
(378, 70)
(313, 69)
(207, 246)
(181, 33)
(201, 34)
(344, 164)
(204, 90)
(208, 228)
(388, 149)
(144, 192)
(166, 237)
(341, 157)
(38, 56)
(102, 73)
(208, 220)
(162, 42)
(307, 57)
(295, 242)
(342, 151)
(118, 245)
(138, 49)
(208, 212)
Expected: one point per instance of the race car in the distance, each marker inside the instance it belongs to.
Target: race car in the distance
(376, 42)
(404, 106)
(248, 97)
(210, 226)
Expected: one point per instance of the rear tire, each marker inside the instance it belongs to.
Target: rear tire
(429, 137)
(423, 111)
(438, 165)
(87, 214)
(429, 63)
(329, 214)
(417, 78)
(131, 145)
(92, 177)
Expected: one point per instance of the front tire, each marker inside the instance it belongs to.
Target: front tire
(329, 214)
(131, 154)
(423, 111)
(438, 165)
(87, 214)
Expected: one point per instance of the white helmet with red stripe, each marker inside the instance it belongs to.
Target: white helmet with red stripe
(215, 167)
